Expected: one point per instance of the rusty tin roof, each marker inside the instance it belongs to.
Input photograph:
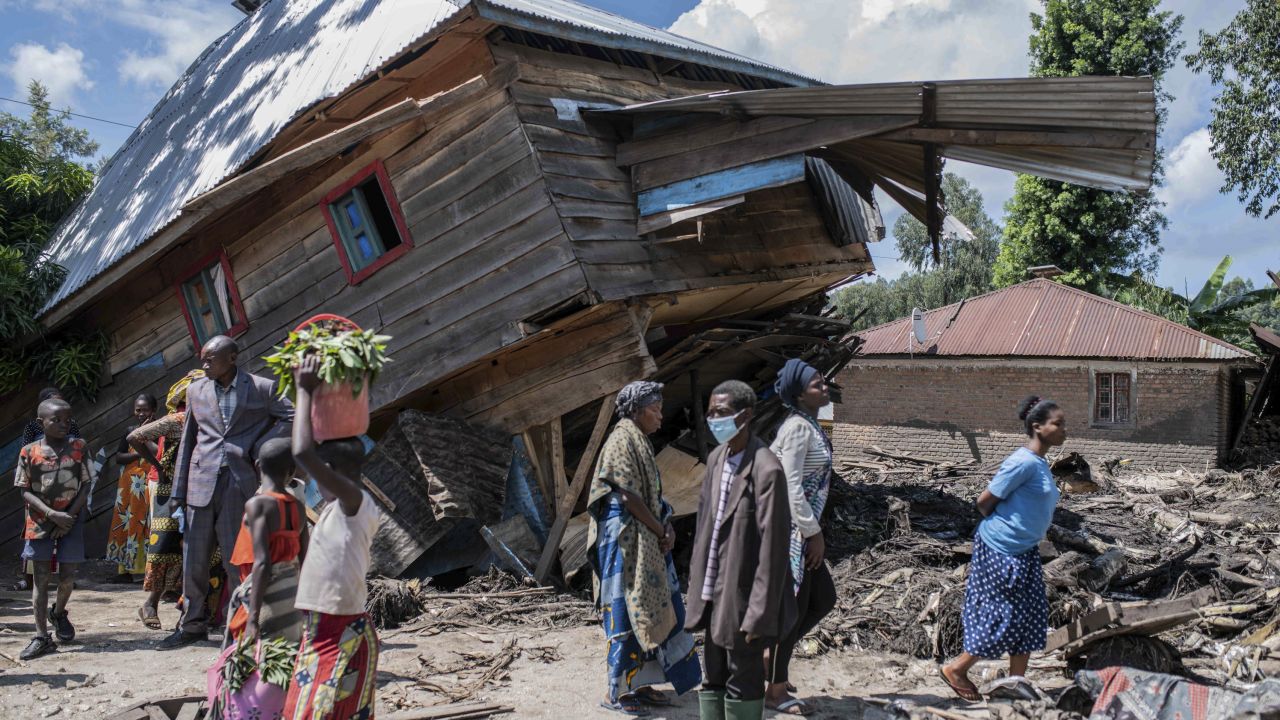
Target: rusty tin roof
(1042, 318)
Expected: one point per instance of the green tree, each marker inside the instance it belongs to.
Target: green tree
(964, 270)
(1244, 62)
(41, 178)
(1222, 308)
(1085, 231)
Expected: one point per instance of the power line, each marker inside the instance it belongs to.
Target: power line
(86, 117)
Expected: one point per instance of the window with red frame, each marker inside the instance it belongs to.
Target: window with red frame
(366, 223)
(1112, 397)
(211, 301)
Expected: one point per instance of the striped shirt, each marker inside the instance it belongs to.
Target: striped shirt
(731, 464)
(226, 407)
(802, 450)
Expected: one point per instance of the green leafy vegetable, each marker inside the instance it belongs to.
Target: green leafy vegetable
(345, 355)
(276, 668)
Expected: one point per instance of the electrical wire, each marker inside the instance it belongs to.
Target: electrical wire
(86, 117)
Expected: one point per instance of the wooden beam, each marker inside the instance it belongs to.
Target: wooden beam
(779, 143)
(1274, 278)
(580, 477)
(555, 445)
(697, 135)
(533, 449)
(955, 136)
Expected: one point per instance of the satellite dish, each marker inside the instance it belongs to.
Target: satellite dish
(917, 325)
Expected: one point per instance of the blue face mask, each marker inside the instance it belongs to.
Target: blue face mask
(724, 429)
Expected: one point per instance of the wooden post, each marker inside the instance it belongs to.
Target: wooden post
(580, 477)
(555, 443)
(533, 448)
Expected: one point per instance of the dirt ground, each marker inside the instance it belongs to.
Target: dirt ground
(113, 664)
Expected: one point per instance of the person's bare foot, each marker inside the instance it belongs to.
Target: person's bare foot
(960, 684)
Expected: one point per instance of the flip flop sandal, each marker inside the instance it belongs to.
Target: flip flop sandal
(965, 694)
(149, 619)
(649, 696)
(627, 705)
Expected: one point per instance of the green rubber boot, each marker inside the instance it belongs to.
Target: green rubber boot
(743, 709)
(710, 705)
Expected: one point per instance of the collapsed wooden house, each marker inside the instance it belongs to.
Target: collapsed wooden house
(538, 200)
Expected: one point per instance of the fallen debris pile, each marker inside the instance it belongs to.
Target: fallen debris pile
(494, 601)
(1162, 571)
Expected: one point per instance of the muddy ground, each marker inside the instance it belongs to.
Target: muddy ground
(114, 664)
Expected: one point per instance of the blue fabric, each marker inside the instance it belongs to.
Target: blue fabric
(630, 668)
(1006, 610)
(793, 378)
(1027, 495)
(69, 548)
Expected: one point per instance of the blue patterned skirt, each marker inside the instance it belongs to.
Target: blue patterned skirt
(630, 667)
(1006, 611)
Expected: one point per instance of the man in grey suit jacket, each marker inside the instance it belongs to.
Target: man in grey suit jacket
(230, 414)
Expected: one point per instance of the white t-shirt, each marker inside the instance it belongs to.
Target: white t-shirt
(332, 577)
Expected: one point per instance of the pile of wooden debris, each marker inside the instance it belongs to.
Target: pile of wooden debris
(1162, 571)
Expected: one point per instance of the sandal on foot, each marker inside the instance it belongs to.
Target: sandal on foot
(39, 645)
(649, 696)
(627, 705)
(968, 694)
(792, 706)
(149, 616)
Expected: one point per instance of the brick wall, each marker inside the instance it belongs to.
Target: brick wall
(956, 409)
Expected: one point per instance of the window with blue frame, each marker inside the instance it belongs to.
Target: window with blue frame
(366, 223)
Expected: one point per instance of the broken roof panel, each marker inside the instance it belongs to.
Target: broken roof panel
(1094, 131)
(1042, 318)
(233, 100)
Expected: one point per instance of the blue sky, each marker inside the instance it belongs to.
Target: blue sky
(113, 59)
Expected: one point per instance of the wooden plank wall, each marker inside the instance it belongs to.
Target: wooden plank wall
(489, 252)
(777, 234)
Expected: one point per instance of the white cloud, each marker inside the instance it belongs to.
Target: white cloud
(870, 40)
(181, 30)
(1191, 175)
(60, 69)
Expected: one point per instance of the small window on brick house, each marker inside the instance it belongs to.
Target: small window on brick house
(1112, 398)
(365, 222)
(210, 300)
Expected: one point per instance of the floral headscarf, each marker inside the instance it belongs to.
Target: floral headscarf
(177, 396)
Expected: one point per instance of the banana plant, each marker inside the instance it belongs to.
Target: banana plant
(1209, 312)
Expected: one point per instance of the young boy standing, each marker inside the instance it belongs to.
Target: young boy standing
(336, 672)
(54, 476)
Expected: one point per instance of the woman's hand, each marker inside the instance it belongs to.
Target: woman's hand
(815, 549)
(307, 374)
(668, 540)
(250, 635)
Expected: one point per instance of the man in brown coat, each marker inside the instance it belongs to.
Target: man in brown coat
(739, 576)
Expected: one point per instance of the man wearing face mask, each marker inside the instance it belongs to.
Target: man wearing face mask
(739, 577)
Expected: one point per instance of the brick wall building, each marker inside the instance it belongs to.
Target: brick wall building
(1153, 391)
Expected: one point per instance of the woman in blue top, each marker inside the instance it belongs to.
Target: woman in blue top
(1006, 611)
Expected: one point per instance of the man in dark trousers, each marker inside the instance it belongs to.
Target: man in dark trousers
(739, 575)
(230, 414)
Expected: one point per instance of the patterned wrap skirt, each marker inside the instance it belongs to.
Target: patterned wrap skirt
(630, 666)
(1006, 610)
(337, 670)
(130, 520)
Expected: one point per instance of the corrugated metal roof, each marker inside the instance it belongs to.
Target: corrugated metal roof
(263, 73)
(1094, 131)
(231, 102)
(1042, 318)
(575, 21)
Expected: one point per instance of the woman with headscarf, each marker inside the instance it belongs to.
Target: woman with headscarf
(159, 439)
(629, 545)
(130, 519)
(805, 453)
